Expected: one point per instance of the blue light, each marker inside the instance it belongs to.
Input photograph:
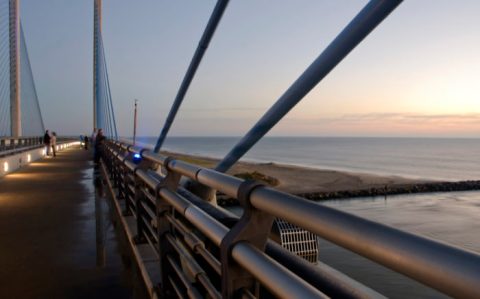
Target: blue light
(137, 158)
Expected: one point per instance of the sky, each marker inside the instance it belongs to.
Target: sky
(416, 74)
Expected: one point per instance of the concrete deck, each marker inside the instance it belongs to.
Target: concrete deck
(56, 238)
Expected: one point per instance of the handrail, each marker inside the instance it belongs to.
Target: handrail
(451, 270)
(9, 145)
(25, 144)
(18, 150)
(126, 175)
(446, 268)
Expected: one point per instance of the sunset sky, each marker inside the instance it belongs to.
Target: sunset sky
(417, 74)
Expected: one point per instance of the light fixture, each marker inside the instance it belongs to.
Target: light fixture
(137, 158)
(5, 166)
(29, 158)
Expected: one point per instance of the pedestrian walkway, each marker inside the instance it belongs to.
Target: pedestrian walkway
(56, 239)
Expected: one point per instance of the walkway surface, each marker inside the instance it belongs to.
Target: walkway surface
(56, 239)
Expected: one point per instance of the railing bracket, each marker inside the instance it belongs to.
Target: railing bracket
(254, 226)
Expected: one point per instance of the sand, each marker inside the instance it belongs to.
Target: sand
(297, 179)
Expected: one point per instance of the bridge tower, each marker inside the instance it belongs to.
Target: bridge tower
(97, 31)
(14, 36)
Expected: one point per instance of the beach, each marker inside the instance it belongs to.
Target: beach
(301, 180)
(341, 167)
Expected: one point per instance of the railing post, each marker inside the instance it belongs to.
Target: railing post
(115, 168)
(170, 182)
(139, 197)
(121, 178)
(254, 227)
(126, 189)
(110, 159)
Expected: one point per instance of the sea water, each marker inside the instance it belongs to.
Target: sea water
(449, 217)
(426, 158)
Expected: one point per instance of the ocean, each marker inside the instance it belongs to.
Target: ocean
(449, 217)
(426, 158)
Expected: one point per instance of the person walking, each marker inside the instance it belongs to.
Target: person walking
(53, 143)
(46, 142)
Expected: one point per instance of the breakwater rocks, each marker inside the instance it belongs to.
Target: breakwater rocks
(377, 191)
(395, 189)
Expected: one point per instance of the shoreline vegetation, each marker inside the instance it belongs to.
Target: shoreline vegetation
(322, 184)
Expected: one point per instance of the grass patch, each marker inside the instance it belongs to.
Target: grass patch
(195, 161)
(258, 177)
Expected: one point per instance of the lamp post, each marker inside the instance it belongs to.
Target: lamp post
(135, 122)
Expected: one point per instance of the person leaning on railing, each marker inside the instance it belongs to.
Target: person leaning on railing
(99, 140)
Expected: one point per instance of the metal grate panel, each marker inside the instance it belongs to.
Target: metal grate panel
(297, 240)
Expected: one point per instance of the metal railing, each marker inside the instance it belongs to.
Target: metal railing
(214, 253)
(10, 145)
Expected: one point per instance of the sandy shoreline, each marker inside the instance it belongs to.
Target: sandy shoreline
(299, 180)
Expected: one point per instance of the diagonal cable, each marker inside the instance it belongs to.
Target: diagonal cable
(32, 120)
(365, 21)
(192, 69)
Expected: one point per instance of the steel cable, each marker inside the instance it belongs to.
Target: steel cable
(32, 121)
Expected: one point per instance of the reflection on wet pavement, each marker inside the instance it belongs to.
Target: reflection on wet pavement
(57, 235)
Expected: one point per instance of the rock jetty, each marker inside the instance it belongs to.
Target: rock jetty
(383, 191)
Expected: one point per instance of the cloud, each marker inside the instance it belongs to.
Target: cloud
(385, 124)
(220, 109)
(206, 123)
(403, 118)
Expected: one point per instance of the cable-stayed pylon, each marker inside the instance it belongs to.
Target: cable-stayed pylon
(20, 113)
(103, 114)
(5, 129)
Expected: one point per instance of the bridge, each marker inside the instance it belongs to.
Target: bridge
(165, 212)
